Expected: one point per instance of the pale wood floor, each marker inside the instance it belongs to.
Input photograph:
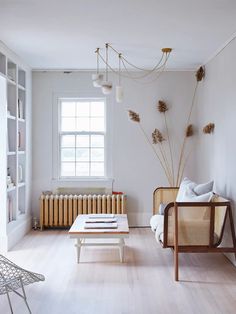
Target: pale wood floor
(101, 285)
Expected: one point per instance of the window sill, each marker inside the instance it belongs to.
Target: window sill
(106, 183)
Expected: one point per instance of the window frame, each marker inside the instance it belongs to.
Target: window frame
(60, 99)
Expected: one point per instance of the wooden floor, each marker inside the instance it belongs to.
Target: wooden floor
(100, 284)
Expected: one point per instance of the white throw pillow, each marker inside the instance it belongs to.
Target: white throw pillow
(190, 196)
(198, 189)
(203, 188)
(183, 186)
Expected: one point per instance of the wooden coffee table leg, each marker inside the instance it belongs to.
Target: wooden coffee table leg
(78, 248)
(121, 249)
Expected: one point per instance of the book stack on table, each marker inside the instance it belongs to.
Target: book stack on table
(101, 221)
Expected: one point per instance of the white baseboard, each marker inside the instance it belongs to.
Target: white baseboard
(139, 219)
(22, 228)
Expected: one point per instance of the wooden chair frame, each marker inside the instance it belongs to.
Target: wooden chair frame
(212, 247)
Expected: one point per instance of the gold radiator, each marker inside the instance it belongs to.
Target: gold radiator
(62, 210)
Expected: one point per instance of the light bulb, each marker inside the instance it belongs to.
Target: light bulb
(119, 94)
(97, 79)
(106, 87)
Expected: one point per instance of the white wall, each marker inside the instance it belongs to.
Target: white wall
(217, 103)
(135, 168)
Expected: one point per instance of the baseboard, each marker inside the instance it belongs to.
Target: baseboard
(16, 234)
(139, 219)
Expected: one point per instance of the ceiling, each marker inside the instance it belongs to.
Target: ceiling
(63, 34)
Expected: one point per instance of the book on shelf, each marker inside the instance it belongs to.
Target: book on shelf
(101, 216)
(20, 109)
(110, 225)
(10, 209)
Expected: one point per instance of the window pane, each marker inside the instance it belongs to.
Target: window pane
(82, 141)
(97, 124)
(97, 169)
(82, 169)
(67, 109)
(82, 154)
(67, 169)
(97, 141)
(82, 124)
(82, 109)
(67, 124)
(68, 141)
(68, 154)
(97, 154)
(97, 109)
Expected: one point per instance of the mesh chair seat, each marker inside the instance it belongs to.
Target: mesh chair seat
(13, 277)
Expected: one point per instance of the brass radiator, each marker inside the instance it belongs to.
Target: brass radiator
(61, 210)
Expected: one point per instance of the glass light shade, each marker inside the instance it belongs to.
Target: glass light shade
(119, 94)
(106, 87)
(97, 80)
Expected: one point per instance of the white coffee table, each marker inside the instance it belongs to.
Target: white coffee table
(78, 232)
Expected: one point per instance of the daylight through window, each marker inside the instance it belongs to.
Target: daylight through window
(82, 138)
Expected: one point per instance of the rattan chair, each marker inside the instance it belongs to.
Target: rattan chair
(13, 277)
(189, 227)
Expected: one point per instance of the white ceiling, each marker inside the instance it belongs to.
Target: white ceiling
(63, 34)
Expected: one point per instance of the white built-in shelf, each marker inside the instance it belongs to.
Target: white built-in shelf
(10, 81)
(11, 189)
(21, 87)
(11, 153)
(11, 117)
(21, 152)
(21, 184)
(12, 223)
(14, 201)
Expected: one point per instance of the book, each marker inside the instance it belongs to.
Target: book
(101, 220)
(101, 216)
(110, 225)
(20, 109)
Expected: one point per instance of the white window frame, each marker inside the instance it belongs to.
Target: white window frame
(57, 179)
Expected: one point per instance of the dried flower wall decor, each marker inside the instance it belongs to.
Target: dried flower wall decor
(209, 128)
(164, 153)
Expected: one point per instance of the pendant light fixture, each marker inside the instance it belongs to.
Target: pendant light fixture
(139, 75)
(119, 88)
(106, 85)
(98, 77)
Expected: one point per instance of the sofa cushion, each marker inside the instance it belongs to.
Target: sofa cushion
(203, 188)
(183, 186)
(198, 189)
(162, 208)
(155, 221)
(190, 196)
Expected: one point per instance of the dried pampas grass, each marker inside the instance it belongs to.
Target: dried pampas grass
(209, 128)
(189, 130)
(134, 116)
(157, 137)
(162, 106)
(200, 74)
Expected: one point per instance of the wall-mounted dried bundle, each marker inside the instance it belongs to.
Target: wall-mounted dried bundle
(162, 106)
(200, 74)
(209, 128)
(189, 131)
(134, 116)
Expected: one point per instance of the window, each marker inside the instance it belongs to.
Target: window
(82, 137)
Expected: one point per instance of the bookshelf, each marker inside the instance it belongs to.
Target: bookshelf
(13, 151)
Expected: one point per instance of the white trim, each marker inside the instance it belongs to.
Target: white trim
(67, 71)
